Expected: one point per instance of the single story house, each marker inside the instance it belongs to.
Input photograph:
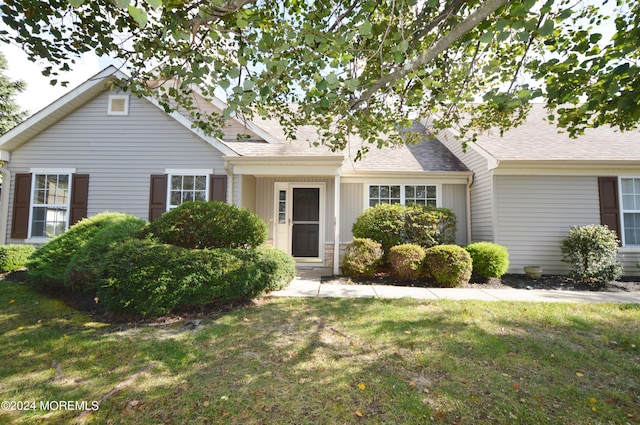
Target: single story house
(97, 150)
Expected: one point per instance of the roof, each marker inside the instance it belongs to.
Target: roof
(428, 156)
(539, 140)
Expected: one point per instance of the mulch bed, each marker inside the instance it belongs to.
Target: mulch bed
(517, 281)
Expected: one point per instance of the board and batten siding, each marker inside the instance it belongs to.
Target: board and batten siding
(481, 189)
(119, 153)
(351, 196)
(534, 213)
(454, 197)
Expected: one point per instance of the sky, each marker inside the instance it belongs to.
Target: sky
(39, 92)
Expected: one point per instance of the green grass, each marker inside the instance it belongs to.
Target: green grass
(328, 361)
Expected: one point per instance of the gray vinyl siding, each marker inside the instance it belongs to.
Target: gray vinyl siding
(118, 152)
(351, 203)
(536, 212)
(481, 190)
(454, 197)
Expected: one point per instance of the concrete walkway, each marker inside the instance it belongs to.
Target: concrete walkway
(310, 286)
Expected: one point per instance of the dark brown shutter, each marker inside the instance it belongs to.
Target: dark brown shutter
(21, 204)
(158, 196)
(218, 188)
(609, 208)
(79, 197)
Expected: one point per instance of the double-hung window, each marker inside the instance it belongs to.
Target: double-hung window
(404, 194)
(184, 188)
(630, 192)
(50, 204)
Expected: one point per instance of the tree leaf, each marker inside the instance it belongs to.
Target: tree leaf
(138, 15)
(76, 3)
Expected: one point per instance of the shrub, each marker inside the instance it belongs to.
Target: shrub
(86, 267)
(48, 265)
(393, 225)
(211, 224)
(489, 259)
(406, 260)
(362, 257)
(591, 252)
(14, 257)
(149, 278)
(383, 223)
(449, 265)
(429, 226)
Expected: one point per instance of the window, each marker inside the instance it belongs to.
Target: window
(118, 104)
(630, 191)
(187, 188)
(50, 204)
(403, 194)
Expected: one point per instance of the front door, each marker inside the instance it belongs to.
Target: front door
(305, 233)
(298, 218)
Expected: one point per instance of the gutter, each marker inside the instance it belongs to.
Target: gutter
(470, 181)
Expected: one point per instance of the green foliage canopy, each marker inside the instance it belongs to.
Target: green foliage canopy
(356, 66)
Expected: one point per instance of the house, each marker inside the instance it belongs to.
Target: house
(534, 183)
(97, 150)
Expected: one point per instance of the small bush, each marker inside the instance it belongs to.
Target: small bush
(406, 261)
(429, 226)
(14, 257)
(592, 253)
(86, 267)
(383, 223)
(449, 265)
(48, 265)
(395, 224)
(210, 225)
(362, 258)
(149, 278)
(489, 259)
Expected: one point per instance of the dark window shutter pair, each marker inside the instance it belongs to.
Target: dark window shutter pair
(22, 203)
(609, 205)
(159, 187)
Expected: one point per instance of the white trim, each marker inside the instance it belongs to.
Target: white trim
(189, 171)
(170, 175)
(622, 211)
(33, 205)
(52, 170)
(402, 185)
(114, 97)
(4, 205)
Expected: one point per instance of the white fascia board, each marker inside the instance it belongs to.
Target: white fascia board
(187, 123)
(220, 104)
(566, 167)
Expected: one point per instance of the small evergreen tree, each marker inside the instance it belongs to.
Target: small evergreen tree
(10, 113)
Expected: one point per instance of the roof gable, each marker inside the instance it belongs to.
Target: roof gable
(77, 97)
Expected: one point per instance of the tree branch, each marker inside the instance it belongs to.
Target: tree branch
(461, 29)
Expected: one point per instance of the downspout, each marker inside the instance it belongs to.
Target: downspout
(4, 202)
(470, 180)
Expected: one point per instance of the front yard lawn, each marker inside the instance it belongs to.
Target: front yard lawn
(322, 361)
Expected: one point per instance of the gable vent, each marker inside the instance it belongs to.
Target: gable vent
(118, 105)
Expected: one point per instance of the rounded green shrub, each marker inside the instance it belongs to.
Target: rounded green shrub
(211, 224)
(362, 258)
(14, 257)
(406, 261)
(449, 265)
(48, 265)
(145, 277)
(429, 226)
(592, 253)
(393, 224)
(383, 223)
(489, 259)
(86, 267)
